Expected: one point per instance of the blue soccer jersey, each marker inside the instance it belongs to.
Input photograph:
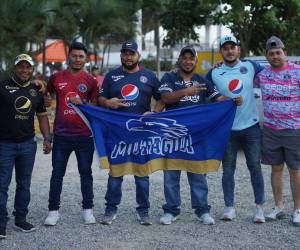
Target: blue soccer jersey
(235, 81)
(136, 89)
(172, 82)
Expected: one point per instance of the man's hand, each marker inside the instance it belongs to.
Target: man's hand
(115, 103)
(195, 89)
(149, 113)
(41, 84)
(217, 64)
(47, 147)
(75, 100)
(238, 100)
(47, 100)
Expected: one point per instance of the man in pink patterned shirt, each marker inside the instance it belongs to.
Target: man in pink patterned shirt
(280, 87)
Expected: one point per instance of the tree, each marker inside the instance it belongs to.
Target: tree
(253, 22)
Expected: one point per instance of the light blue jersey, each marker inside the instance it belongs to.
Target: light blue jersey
(235, 81)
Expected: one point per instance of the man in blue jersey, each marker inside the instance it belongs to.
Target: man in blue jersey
(129, 88)
(235, 77)
(182, 89)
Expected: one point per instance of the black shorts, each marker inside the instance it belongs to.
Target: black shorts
(279, 146)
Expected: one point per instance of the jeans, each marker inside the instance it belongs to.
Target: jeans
(198, 189)
(63, 146)
(249, 140)
(114, 193)
(22, 156)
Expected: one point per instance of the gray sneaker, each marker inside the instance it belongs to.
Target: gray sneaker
(167, 219)
(108, 218)
(144, 219)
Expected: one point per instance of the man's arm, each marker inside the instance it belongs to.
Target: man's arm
(173, 97)
(45, 130)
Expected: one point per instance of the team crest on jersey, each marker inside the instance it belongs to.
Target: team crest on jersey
(130, 92)
(235, 86)
(243, 70)
(32, 92)
(143, 79)
(117, 78)
(82, 88)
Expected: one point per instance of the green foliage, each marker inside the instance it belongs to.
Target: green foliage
(151, 64)
(253, 22)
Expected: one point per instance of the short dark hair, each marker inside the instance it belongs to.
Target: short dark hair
(77, 46)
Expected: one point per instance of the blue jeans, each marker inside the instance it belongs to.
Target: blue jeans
(249, 140)
(63, 146)
(198, 189)
(114, 193)
(22, 156)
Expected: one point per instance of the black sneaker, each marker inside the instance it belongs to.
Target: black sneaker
(144, 218)
(2, 232)
(24, 226)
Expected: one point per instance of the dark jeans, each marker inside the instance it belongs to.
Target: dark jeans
(198, 188)
(114, 193)
(22, 156)
(249, 140)
(63, 146)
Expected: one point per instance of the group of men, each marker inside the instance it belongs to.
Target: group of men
(280, 84)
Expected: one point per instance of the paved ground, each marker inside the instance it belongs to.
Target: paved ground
(126, 233)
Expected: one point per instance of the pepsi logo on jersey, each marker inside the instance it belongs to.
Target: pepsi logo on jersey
(129, 92)
(235, 86)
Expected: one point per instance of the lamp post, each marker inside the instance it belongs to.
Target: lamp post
(213, 50)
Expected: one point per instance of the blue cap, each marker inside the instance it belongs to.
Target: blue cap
(227, 39)
(130, 45)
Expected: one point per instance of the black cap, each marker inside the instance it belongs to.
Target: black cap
(130, 45)
(188, 48)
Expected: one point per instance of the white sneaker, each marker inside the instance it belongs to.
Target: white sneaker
(206, 219)
(276, 214)
(259, 215)
(296, 218)
(167, 219)
(88, 217)
(228, 214)
(52, 218)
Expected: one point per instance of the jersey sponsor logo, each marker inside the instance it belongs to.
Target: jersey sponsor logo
(23, 105)
(61, 85)
(32, 92)
(130, 92)
(117, 78)
(11, 87)
(235, 86)
(12, 91)
(67, 97)
(243, 70)
(82, 88)
(143, 79)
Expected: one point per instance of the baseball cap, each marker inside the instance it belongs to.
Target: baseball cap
(188, 48)
(130, 45)
(274, 43)
(228, 38)
(24, 57)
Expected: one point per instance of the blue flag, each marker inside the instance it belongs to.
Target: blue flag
(192, 139)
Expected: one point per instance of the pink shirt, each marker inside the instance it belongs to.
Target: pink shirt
(281, 96)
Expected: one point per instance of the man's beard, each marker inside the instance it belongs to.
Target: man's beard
(230, 61)
(129, 67)
(187, 71)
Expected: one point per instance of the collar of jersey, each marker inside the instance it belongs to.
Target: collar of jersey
(20, 85)
(238, 65)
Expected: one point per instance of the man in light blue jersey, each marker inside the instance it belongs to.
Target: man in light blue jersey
(235, 77)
